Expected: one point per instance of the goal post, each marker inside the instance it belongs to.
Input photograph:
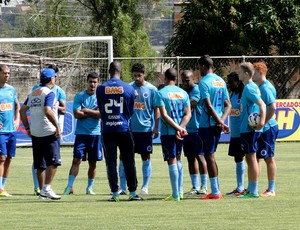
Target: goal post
(74, 56)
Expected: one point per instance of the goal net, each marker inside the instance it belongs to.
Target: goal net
(74, 56)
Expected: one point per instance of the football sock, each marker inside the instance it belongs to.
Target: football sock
(180, 176)
(214, 185)
(4, 180)
(203, 180)
(122, 176)
(195, 181)
(1, 178)
(133, 193)
(271, 185)
(240, 172)
(147, 169)
(71, 180)
(34, 178)
(253, 185)
(173, 173)
(90, 183)
(115, 194)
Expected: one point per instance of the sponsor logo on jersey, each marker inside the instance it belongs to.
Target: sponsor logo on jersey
(6, 106)
(175, 95)
(217, 84)
(140, 105)
(35, 102)
(114, 90)
(235, 112)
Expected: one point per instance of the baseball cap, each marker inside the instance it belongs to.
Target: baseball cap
(48, 73)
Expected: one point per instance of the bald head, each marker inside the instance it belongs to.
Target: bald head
(115, 68)
(171, 74)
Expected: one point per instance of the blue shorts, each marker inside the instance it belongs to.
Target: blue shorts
(46, 151)
(192, 145)
(249, 142)
(210, 137)
(142, 142)
(8, 144)
(171, 146)
(88, 147)
(235, 149)
(266, 143)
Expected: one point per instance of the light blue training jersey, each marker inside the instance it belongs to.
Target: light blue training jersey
(175, 100)
(142, 118)
(193, 125)
(213, 87)
(250, 95)
(89, 125)
(235, 115)
(8, 97)
(268, 95)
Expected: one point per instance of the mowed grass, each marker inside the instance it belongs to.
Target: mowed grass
(79, 211)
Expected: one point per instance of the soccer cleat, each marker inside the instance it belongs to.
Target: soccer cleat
(144, 191)
(68, 191)
(236, 192)
(248, 196)
(212, 197)
(3, 193)
(122, 192)
(181, 195)
(48, 195)
(267, 193)
(193, 191)
(114, 199)
(171, 198)
(135, 198)
(90, 192)
(203, 190)
(37, 192)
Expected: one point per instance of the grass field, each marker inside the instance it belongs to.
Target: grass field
(79, 211)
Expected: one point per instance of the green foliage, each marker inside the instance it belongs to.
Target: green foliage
(232, 27)
(121, 20)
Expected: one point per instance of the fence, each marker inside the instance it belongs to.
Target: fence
(283, 72)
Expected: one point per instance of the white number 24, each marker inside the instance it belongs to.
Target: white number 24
(114, 103)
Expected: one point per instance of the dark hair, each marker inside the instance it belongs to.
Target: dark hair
(138, 67)
(234, 75)
(54, 67)
(206, 61)
(44, 80)
(171, 74)
(93, 75)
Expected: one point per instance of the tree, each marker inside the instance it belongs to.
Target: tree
(240, 27)
(121, 20)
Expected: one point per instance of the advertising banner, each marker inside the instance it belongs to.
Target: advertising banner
(287, 115)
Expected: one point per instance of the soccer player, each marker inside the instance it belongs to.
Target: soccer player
(116, 104)
(250, 102)
(143, 125)
(266, 143)
(174, 105)
(216, 107)
(88, 139)
(61, 98)
(192, 144)
(236, 88)
(9, 123)
(44, 132)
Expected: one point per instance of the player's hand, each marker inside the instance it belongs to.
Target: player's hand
(226, 129)
(58, 133)
(135, 94)
(16, 124)
(155, 133)
(181, 133)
